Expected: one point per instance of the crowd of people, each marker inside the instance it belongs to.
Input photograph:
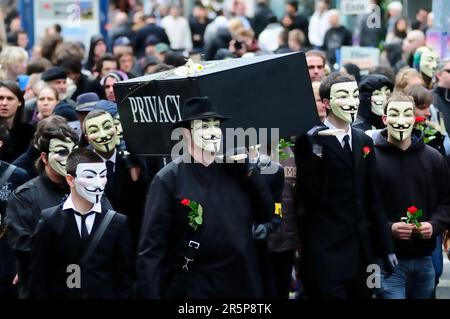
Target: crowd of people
(368, 185)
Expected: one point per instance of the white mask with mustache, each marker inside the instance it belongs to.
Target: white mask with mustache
(90, 181)
(400, 119)
(207, 134)
(57, 154)
(101, 133)
(344, 100)
(378, 98)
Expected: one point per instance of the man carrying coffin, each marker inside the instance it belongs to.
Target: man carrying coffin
(196, 239)
(342, 217)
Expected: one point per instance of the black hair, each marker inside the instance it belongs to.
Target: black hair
(15, 89)
(54, 129)
(79, 156)
(103, 58)
(4, 134)
(333, 78)
(293, 4)
(71, 64)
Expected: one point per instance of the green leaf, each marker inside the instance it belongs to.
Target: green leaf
(194, 205)
(409, 215)
(419, 214)
(198, 220)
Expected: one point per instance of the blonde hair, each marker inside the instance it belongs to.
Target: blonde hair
(11, 55)
(403, 76)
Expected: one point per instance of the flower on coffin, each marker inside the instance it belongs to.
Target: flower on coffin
(189, 68)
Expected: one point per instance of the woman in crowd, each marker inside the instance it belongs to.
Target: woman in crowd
(11, 109)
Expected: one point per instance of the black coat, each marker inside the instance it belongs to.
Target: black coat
(7, 259)
(20, 136)
(225, 264)
(127, 196)
(342, 217)
(142, 35)
(22, 215)
(417, 176)
(108, 273)
(85, 84)
(27, 161)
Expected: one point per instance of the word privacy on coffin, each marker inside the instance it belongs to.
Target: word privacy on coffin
(157, 109)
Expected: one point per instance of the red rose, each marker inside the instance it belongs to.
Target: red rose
(420, 119)
(366, 150)
(412, 210)
(185, 202)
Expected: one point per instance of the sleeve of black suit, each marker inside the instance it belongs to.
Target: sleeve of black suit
(440, 220)
(20, 226)
(377, 215)
(153, 240)
(261, 195)
(39, 263)
(124, 263)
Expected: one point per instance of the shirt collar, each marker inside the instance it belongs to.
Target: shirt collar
(340, 136)
(68, 204)
(112, 158)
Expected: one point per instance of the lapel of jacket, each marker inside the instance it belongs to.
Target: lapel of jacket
(333, 145)
(357, 148)
(72, 232)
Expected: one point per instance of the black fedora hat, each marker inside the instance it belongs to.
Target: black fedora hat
(198, 108)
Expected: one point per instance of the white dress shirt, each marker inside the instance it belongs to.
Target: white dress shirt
(112, 159)
(68, 204)
(340, 136)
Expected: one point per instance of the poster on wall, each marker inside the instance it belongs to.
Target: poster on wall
(79, 20)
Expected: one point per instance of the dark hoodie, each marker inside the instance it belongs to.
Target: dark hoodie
(366, 120)
(90, 63)
(417, 176)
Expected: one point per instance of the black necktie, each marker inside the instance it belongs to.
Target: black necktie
(347, 147)
(110, 172)
(84, 231)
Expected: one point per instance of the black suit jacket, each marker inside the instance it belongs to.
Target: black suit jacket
(108, 273)
(127, 196)
(342, 215)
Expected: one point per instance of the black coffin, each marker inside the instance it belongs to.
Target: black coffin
(272, 91)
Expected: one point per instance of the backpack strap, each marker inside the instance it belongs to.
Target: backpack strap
(97, 236)
(7, 174)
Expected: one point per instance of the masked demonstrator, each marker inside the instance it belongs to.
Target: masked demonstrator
(335, 178)
(48, 189)
(67, 232)
(413, 181)
(196, 239)
(126, 195)
(374, 90)
(426, 61)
